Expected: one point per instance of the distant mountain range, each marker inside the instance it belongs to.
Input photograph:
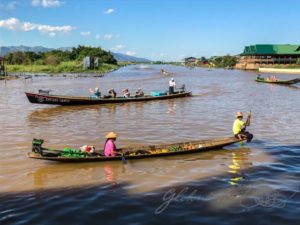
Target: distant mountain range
(118, 56)
(127, 58)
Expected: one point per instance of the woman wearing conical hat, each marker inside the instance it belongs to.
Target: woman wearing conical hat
(110, 148)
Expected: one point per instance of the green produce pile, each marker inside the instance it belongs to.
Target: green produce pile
(76, 153)
(174, 148)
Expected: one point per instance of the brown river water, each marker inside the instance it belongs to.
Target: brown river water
(257, 181)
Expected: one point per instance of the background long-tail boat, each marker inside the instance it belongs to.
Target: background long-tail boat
(41, 98)
(287, 82)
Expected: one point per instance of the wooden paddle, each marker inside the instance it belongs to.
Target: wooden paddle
(247, 121)
(248, 118)
(123, 159)
(122, 156)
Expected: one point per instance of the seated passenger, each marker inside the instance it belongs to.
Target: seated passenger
(274, 78)
(96, 92)
(112, 93)
(126, 93)
(259, 77)
(139, 93)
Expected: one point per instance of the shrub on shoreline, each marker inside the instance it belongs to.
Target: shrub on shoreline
(63, 67)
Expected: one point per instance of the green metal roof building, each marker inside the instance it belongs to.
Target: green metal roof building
(290, 50)
(255, 56)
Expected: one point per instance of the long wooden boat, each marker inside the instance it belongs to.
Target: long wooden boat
(287, 82)
(40, 98)
(74, 155)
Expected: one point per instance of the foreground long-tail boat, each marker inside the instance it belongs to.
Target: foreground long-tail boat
(286, 82)
(41, 98)
(76, 155)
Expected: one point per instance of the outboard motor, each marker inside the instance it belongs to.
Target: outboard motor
(45, 92)
(37, 145)
(182, 88)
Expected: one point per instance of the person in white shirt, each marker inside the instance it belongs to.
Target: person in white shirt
(172, 85)
(126, 93)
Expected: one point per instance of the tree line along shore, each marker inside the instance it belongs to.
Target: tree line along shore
(59, 61)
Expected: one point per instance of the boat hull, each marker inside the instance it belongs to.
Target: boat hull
(196, 146)
(68, 100)
(286, 82)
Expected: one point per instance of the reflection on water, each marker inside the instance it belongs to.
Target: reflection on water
(109, 174)
(172, 107)
(238, 163)
(64, 175)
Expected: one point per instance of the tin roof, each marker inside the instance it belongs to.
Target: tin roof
(268, 49)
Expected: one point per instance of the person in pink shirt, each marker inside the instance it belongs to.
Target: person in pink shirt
(110, 148)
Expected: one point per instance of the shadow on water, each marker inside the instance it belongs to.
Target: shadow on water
(229, 198)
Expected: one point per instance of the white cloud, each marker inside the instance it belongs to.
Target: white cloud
(9, 6)
(117, 48)
(108, 36)
(109, 11)
(52, 34)
(46, 3)
(131, 53)
(85, 33)
(17, 25)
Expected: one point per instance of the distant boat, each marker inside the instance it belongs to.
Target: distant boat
(286, 82)
(163, 72)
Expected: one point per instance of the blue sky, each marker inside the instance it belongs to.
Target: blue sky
(154, 29)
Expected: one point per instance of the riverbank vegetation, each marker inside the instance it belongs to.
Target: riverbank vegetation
(58, 61)
(63, 67)
(226, 61)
